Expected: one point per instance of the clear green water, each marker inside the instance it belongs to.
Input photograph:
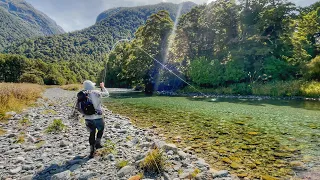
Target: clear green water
(260, 137)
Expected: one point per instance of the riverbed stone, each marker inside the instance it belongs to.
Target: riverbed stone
(125, 171)
(65, 175)
(223, 173)
(16, 170)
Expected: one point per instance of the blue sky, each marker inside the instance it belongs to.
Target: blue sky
(74, 15)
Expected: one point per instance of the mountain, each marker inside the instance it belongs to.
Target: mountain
(146, 9)
(20, 20)
(90, 43)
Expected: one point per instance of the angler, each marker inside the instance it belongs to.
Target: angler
(89, 104)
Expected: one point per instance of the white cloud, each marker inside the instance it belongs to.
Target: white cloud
(78, 14)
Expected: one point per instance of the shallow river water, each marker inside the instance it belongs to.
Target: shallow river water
(277, 138)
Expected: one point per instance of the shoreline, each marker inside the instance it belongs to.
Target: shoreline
(251, 97)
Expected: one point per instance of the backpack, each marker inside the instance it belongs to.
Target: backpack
(84, 104)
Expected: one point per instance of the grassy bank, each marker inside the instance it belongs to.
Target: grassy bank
(249, 138)
(15, 97)
(276, 89)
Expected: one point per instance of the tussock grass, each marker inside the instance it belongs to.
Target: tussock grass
(154, 161)
(72, 87)
(122, 163)
(21, 138)
(24, 122)
(14, 97)
(56, 126)
(2, 132)
(195, 173)
(108, 148)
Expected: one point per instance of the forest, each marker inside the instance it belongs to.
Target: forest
(226, 44)
(17, 68)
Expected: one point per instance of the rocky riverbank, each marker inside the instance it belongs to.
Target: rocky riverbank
(28, 152)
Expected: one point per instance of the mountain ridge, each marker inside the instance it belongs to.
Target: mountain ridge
(92, 42)
(20, 20)
(28, 13)
(109, 12)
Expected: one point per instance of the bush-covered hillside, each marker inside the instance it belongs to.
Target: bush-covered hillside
(91, 42)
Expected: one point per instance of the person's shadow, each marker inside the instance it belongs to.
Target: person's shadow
(53, 169)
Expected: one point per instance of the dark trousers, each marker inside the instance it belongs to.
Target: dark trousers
(93, 125)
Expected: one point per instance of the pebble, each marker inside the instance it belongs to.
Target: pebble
(16, 170)
(63, 143)
(29, 177)
(125, 171)
(223, 173)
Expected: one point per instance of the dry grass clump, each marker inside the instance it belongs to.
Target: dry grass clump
(2, 132)
(154, 162)
(14, 97)
(72, 87)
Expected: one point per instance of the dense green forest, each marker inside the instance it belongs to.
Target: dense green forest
(17, 68)
(19, 20)
(225, 44)
(92, 42)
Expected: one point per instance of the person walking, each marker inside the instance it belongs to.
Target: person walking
(90, 105)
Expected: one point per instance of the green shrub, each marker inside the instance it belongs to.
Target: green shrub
(206, 73)
(56, 126)
(31, 78)
(278, 69)
(314, 69)
(55, 79)
(242, 89)
(311, 89)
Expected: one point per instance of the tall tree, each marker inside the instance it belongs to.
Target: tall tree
(151, 40)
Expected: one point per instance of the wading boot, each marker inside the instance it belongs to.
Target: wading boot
(91, 151)
(98, 143)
